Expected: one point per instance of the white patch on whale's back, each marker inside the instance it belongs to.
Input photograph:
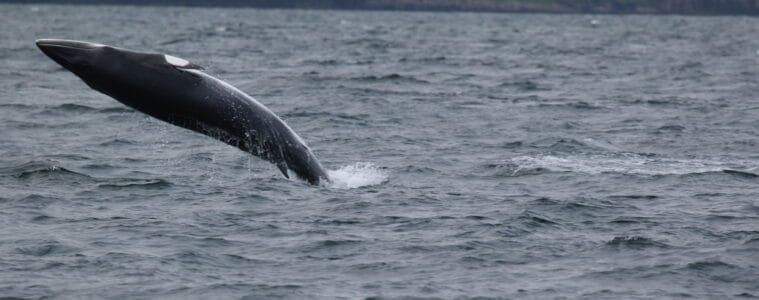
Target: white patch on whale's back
(176, 61)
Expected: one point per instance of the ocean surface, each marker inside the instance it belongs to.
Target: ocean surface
(482, 156)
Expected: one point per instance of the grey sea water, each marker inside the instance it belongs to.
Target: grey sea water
(475, 155)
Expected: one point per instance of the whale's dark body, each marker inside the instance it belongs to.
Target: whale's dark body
(178, 92)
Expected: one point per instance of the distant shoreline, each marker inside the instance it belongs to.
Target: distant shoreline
(661, 7)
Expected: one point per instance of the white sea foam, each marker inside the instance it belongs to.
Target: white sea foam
(628, 164)
(356, 175)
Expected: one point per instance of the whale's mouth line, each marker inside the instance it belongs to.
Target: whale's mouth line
(66, 47)
(67, 44)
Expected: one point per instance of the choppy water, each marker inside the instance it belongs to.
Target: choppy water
(478, 155)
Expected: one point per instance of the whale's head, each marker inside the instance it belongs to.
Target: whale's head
(102, 66)
(78, 57)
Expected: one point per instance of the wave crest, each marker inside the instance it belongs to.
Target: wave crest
(620, 164)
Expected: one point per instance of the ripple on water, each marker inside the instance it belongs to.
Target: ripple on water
(36, 170)
(43, 248)
(534, 220)
(394, 78)
(705, 265)
(69, 108)
(634, 243)
(720, 271)
(131, 183)
(117, 142)
(37, 201)
(620, 163)
(116, 110)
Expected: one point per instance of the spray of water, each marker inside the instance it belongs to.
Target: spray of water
(356, 175)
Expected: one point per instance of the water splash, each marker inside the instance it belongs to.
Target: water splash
(356, 175)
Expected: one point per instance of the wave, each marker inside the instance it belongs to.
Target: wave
(341, 116)
(356, 175)
(52, 171)
(710, 265)
(67, 156)
(117, 184)
(573, 145)
(668, 101)
(743, 174)
(116, 109)
(524, 86)
(532, 219)
(24, 124)
(17, 106)
(334, 62)
(323, 62)
(117, 142)
(373, 43)
(45, 248)
(635, 164)
(35, 169)
(579, 105)
(635, 242)
(509, 169)
(394, 77)
(425, 59)
(72, 107)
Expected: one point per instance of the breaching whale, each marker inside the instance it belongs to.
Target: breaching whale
(179, 92)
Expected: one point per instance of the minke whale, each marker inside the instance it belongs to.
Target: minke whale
(179, 92)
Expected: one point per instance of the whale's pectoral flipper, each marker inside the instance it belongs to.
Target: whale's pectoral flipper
(282, 165)
(150, 83)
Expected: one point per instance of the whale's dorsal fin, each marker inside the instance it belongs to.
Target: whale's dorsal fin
(181, 63)
(282, 165)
